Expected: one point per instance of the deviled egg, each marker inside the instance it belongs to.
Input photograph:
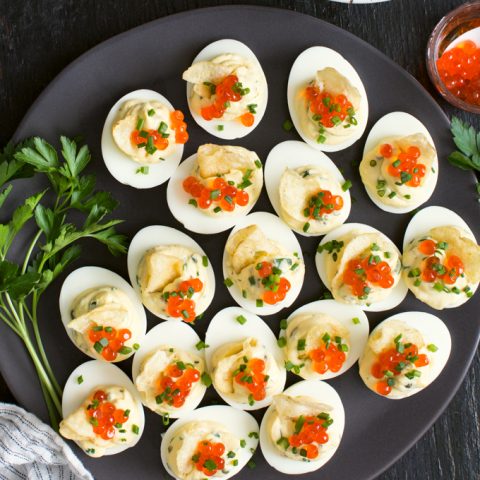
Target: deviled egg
(326, 99)
(171, 272)
(212, 188)
(303, 427)
(323, 339)
(263, 264)
(361, 266)
(400, 165)
(405, 353)
(168, 369)
(102, 412)
(215, 441)
(441, 258)
(142, 139)
(102, 314)
(227, 90)
(244, 360)
(306, 188)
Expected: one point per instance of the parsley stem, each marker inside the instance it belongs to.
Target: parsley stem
(30, 250)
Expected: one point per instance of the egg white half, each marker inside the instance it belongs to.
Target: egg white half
(96, 373)
(120, 165)
(320, 391)
(275, 229)
(192, 218)
(293, 154)
(85, 278)
(430, 217)
(231, 129)
(433, 330)
(177, 335)
(239, 423)
(344, 315)
(401, 124)
(398, 293)
(224, 328)
(303, 71)
(156, 235)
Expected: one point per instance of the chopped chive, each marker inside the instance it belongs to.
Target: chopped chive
(135, 429)
(287, 125)
(228, 282)
(151, 112)
(356, 320)
(220, 128)
(283, 324)
(347, 185)
(140, 123)
(206, 379)
(193, 202)
(281, 342)
(258, 163)
(201, 345)
(432, 347)
(205, 261)
(259, 302)
(80, 379)
(241, 320)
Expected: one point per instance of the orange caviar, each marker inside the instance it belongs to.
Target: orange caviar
(175, 384)
(251, 375)
(228, 90)
(109, 342)
(179, 303)
(361, 273)
(153, 140)
(329, 110)
(208, 457)
(433, 269)
(330, 355)
(405, 165)
(222, 194)
(459, 70)
(309, 431)
(392, 361)
(104, 417)
(276, 286)
(323, 202)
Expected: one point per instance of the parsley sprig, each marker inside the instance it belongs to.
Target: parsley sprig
(55, 242)
(467, 140)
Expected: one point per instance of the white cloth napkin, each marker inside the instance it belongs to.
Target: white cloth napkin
(29, 449)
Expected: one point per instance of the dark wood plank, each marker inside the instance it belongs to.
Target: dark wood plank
(40, 37)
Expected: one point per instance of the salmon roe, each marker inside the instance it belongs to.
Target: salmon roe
(310, 431)
(104, 417)
(180, 303)
(393, 361)
(433, 269)
(361, 273)
(175, 383)
(109, 341)
(404, 165)
(329, 355)
(276, 287)
(228, 90)
(153, 140)
(322, 203)
(251, 375)
(459, 70)
(329, 110)
(208, 457)
(220, 193)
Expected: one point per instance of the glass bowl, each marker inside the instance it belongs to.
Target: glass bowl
(461, 20)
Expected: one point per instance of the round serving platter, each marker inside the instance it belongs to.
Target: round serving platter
(153, 56)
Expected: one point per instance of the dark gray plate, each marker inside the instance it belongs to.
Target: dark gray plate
(154, 56)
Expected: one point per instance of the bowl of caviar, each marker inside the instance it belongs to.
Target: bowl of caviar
(453, 57)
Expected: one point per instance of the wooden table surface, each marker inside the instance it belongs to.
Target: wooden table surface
(38, 38)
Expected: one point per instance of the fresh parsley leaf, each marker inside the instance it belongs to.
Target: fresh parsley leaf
(467, 141)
